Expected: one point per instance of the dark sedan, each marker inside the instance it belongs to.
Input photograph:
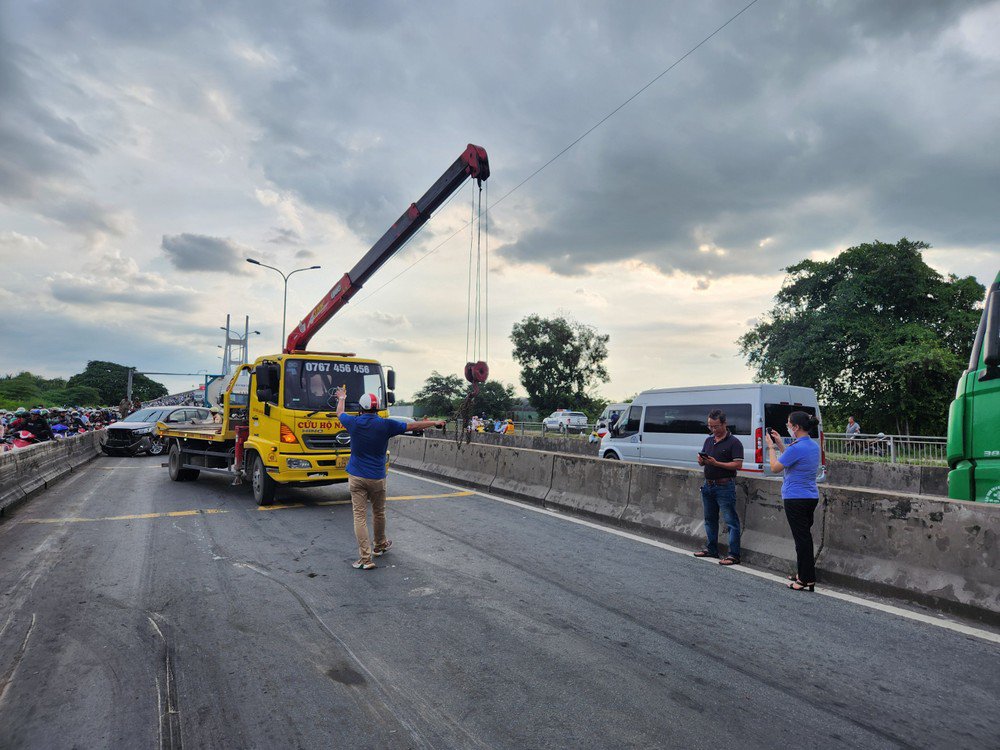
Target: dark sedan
(137, 432)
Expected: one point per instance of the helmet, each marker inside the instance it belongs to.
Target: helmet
(44, 412)
(368, 402)
(20, 411)
(35, 411)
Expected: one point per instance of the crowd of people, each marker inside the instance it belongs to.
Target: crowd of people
(24, 426)
(482, 423)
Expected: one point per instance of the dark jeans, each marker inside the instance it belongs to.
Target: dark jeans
(716, 497)
(799, 513)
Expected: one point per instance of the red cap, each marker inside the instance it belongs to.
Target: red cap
(368, 402)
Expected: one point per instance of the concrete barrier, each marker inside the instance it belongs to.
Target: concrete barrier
(407, 451)
(476, 464)
(590, 485)
(767, 540)
(439, 457)
(25, 471)
(917, 480)
(940, 552)
(524, 474)
(668, 502)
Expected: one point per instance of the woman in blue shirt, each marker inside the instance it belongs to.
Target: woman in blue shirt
(799, 462)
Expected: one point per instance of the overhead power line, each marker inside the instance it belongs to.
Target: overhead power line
(579, 138)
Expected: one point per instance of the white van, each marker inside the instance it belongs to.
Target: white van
(668, 426)
(610, 409)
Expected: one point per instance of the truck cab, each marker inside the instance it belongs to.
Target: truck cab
(974, 415)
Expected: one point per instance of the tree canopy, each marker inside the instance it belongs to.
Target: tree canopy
(26, 389)
(495, 399)
(111, 382)
(878, 333)
(561, 362)
(440, 395)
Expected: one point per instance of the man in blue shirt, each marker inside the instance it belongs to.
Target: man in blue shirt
(366, 469)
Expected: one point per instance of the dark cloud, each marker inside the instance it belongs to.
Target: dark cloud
(801, 126)
(280, 236)
(198, 252)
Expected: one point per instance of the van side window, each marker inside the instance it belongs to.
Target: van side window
(690, 419)
(631, 425)
(776, 415)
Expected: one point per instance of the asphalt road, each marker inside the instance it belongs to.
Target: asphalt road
(136, 612)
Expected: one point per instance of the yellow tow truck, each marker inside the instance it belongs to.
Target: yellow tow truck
(279, 426)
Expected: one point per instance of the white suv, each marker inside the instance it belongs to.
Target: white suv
(565, 421)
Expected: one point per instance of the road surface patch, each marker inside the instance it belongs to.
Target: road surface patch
(219, 511)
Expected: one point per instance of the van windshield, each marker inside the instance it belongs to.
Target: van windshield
(776, 416)
(310, 384)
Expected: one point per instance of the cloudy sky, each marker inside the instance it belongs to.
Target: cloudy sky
(147, 149)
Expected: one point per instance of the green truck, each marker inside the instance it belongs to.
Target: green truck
(974, 415)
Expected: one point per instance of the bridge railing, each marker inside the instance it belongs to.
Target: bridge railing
(897, 449)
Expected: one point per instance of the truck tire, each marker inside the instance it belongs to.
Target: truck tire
(177, 472)
(610, 456)
(263, 485)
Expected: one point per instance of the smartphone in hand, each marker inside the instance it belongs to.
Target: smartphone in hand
(703, 454)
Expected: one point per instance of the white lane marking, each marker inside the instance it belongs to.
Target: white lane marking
(956, 627)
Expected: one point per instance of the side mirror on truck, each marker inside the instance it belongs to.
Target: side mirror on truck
(991, 339)
(268, 380)
(390, 380)
(390, 398)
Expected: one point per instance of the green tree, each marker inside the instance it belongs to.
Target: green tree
(878, 333)
(110, 380)
(561, 362)
(23, 388)
(495, 400)
(440, 395)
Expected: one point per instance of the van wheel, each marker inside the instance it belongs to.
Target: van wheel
(177, 472)
(263, 485)
(611, 456)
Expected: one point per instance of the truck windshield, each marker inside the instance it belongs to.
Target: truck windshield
(310, 384)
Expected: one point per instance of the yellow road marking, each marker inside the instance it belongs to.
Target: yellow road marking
(172, 514)
(216, 511)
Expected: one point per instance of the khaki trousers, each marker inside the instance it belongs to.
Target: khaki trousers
(364, 491)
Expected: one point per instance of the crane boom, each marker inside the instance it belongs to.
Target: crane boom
(472, 163)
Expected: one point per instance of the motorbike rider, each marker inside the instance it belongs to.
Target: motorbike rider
(38, 426)
(19, 421)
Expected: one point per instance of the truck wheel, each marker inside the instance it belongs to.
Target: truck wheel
(611, 456)
(177, 472)
(263, 485)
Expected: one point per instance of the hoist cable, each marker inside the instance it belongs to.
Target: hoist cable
(587, 132)
(485, 218)
(468, 303)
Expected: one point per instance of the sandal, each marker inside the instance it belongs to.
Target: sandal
(705, 553)
(794, 577)
(799, 586)
(729, 560)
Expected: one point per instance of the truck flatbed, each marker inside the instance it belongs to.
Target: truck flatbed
(211, 432)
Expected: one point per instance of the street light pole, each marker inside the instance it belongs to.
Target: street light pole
(284, 277)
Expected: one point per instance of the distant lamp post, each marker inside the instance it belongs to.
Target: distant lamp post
(284, 304)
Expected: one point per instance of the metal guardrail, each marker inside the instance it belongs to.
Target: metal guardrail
(896, 449)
